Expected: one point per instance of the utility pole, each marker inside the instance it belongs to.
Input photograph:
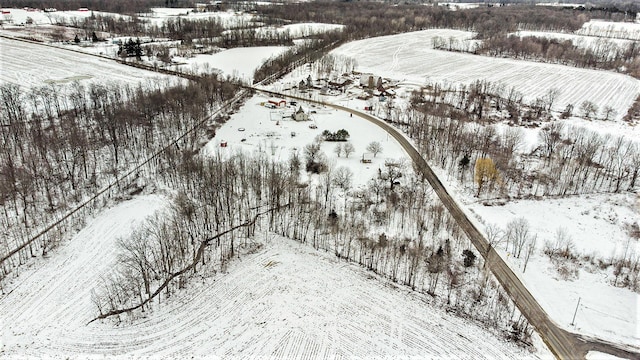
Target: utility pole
(575, 312)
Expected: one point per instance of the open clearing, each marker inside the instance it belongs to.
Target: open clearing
(269, 131)
(286, 301)
(410, 56)
(17, 61)
(238, 62)
(596, 225)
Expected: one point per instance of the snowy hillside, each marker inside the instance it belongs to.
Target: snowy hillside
(62, 67)
(286, 301)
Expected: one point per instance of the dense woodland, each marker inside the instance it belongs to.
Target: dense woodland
(367, 19)
(60, 146)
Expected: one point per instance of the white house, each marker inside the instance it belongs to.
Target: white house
(300, 115)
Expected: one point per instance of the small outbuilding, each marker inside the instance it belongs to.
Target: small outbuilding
(367, 158)
(370, 81)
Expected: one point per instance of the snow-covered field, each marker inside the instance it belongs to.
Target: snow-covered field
(582, 41)
(610, 29)
(460, 6)
(18, 66)
(228, 19)
(410, 56)
(302, 29)
(286, 301)
(39, 17)
(239, 62)
(270, 131)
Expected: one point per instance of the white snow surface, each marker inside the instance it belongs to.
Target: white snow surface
(239, 62)
(410, 56)
(300, 30)
(596, 355)
(45, 314)
(286, 301)
(228, 19)
(595, 224)
(611, 29)
(581, 41)
(269, 131)
(33, 65)
(39, 17)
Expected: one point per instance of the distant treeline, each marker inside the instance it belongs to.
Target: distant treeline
(606, 55)
(119, 6)
(366, 19)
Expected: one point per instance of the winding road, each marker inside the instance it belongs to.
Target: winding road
(563, 344)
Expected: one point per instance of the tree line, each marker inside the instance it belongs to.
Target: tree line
(121, 7)
(604, 54)
(367, 19)
(204, 31)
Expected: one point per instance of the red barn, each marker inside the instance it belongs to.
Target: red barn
(278, 102)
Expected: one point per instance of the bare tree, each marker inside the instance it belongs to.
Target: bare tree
(551, 137)
(393, 171)
(348, 149)
(342, 178)
(588, 109)
(551, 97)
(338, 150)
(375, 148)
(518, 233)
(531, 247)
(608, 113)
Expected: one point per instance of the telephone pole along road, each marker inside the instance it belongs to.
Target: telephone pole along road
(563, 344)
